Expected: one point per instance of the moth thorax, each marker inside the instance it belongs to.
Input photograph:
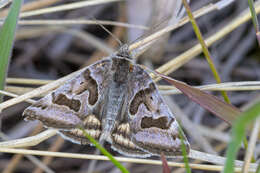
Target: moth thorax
(121, 70)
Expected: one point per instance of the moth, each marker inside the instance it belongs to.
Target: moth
(114, 100)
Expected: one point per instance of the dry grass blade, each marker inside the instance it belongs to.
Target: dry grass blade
(4, 3)
(11, 165)
(164, 89)
(29, 141)
(34, 140)
(211, 158)
(14, 95)
(18, 157)
(79, 22)
(122, 159)
(221, 109)
(251, 146)
(47, 160)
(227, 86)
(66, 7)
(167, 29)
(26, 81)
(180, 60)
(32, 5)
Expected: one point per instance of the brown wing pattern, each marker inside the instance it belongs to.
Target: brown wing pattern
(74, 103)
(152, 125)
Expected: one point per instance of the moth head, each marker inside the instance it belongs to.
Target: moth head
(124, 52)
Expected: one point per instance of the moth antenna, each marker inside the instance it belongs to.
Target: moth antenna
(110, 33)
(140, 50)
(151, 29)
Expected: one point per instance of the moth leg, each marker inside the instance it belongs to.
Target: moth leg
(29, 141)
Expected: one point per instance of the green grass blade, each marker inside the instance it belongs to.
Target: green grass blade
(258, 169)
(7, 34)
(254, 19)
(105, 152)
(184, 152)
(204, 48)
(238, 134)
(253, 14)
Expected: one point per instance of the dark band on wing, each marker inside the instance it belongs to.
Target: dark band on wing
(91, 85)
(143, 96)
(62, 99)
(162, 122)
